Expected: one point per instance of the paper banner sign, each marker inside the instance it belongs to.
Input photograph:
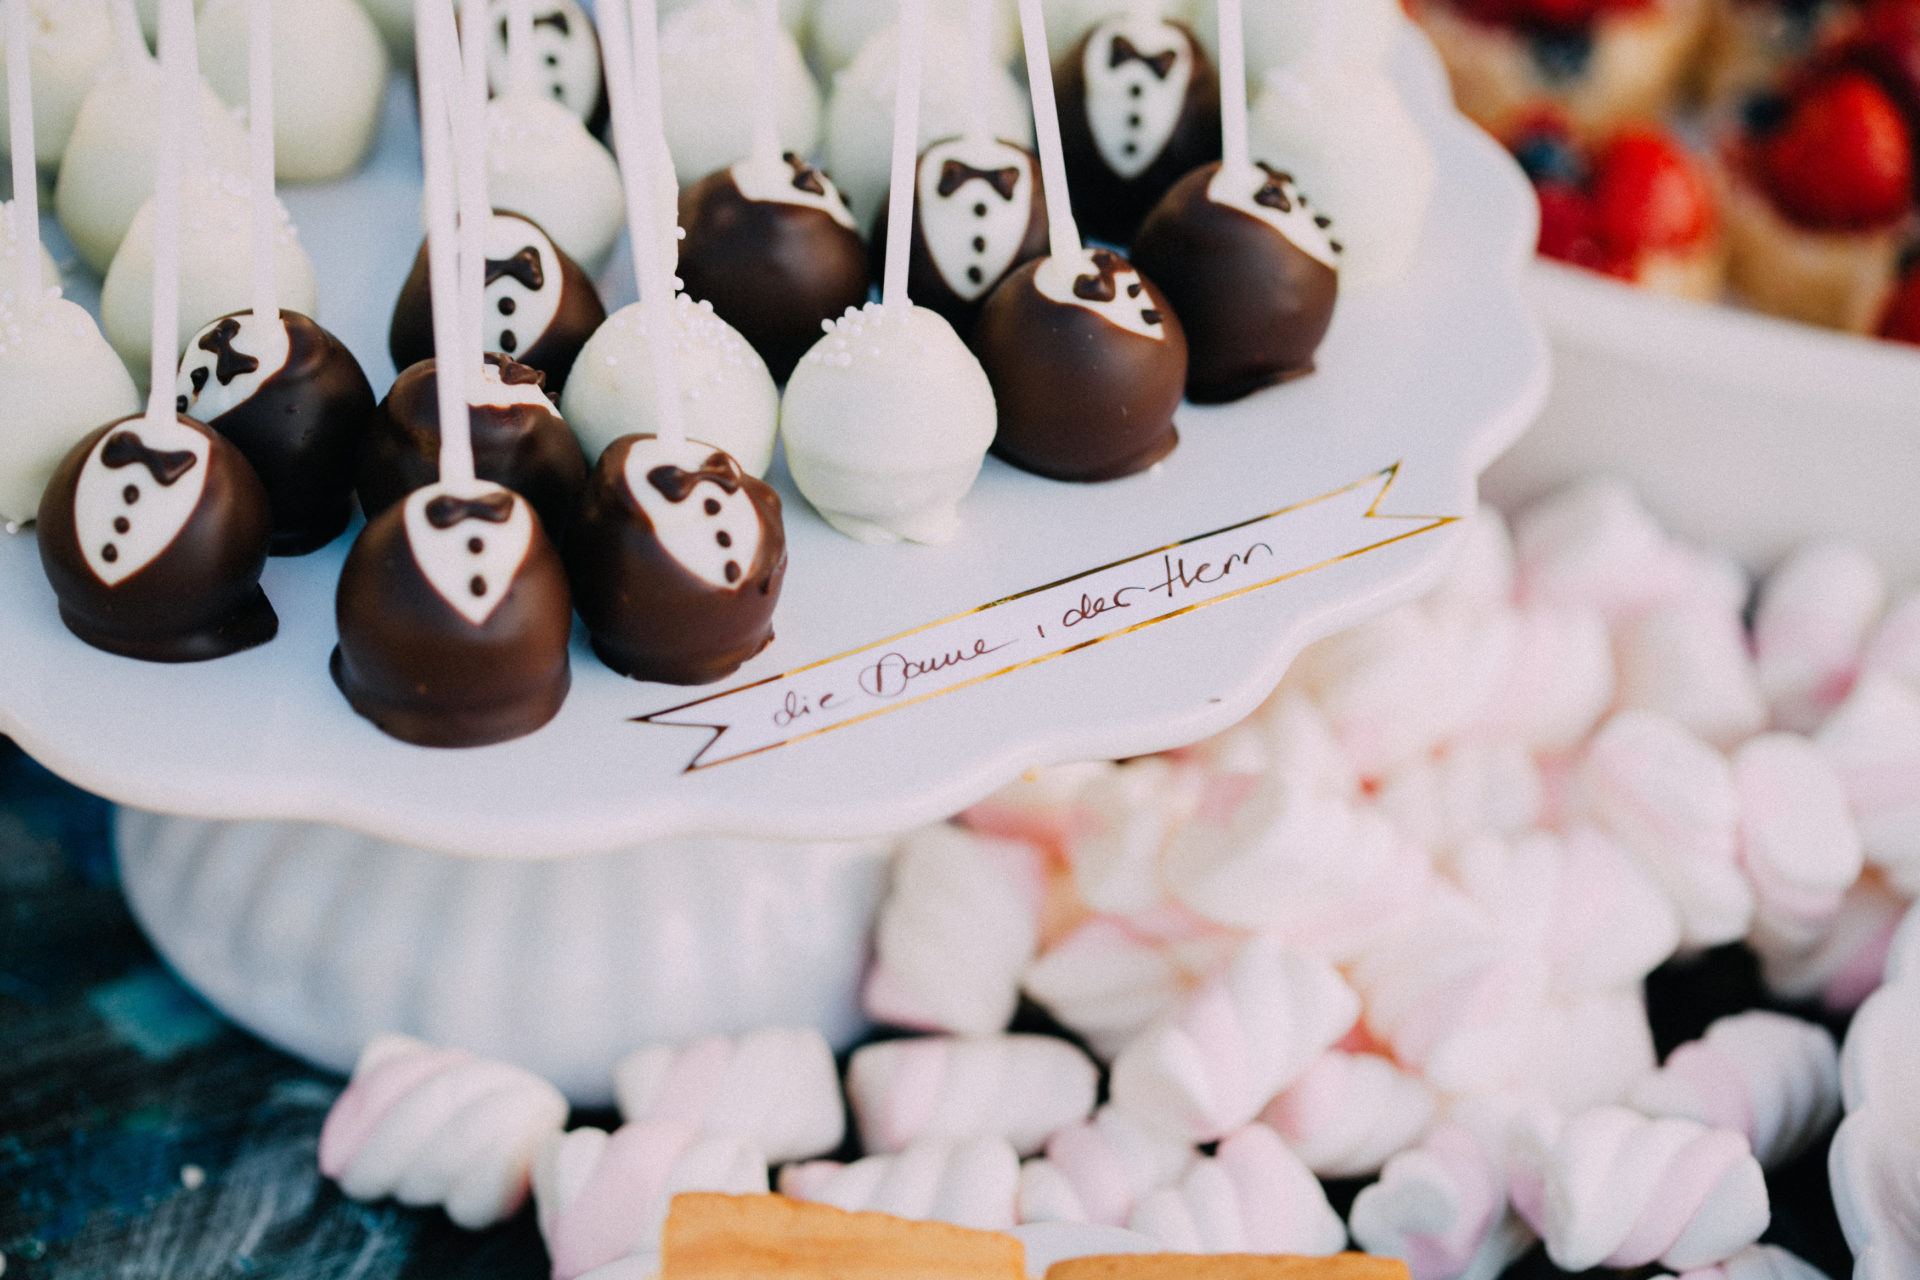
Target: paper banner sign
(1046, 622)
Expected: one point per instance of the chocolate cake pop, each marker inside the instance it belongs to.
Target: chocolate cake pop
(518, 441)
(566, 55)
(295, 402)
(71, 46)
(540, 306)
(710, 79)
(1139, 109)
(677, 559)
(775, 251)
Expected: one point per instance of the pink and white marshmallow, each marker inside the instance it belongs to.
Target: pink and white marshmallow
(972, 1183)
(1209, 1067)
(1894, 649)
(1687, 658)
(1386, 687)
(1842, 962)
(1481, 578)
(1441, 1207)
(1096, 1171)
(1593, 544)
(778, 1088)
(1560, 679)
(1473, 787)
(1872, 1166)
(1254, 1196)
(1873, 743)
(1349, 1112)
(1131, 813)
(1798, 842)
(1771, 1078)
(1810, 627)
(433, 1126)
(1759, 1262)
(1018, 1087)
(1107, 981)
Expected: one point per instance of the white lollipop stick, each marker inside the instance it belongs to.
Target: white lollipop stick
(439, 73)
(193, 144)
(652, 135)
(1062, 230)
(177, 102)
(266, 223)
(1233, 88)
(521, 71)
(980, 15)
(26, 181)
(130, 42)
(474, 203)
(1325, 35)
(766, 102)
(906, 152)
(633, 96)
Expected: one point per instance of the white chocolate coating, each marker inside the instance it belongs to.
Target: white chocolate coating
(72, 46)
(774, 183)
(203, 396)
(1137, 72)
(971, 250)
(516, 314)
(1068, 20)
(566, 54)
(777, 1087)
(216, 267)
(1279, 31)
(329, 76)
(887, 421)
(1130, 308)
(1287, 210)
(471, 564)
(726, 394)
(10, 252)
(395, 20)
(543, 164)
(59, 380)
(709, 73)
(125, 517)
(106, 176)
(714, 535)
(839, 29)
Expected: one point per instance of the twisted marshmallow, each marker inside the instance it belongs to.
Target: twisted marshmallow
(1809, 628)
(1095, 1172)
(1209, 1067)
(1844, 960)
(1021, 1088)
(1871, 1165)
(1873, 743)
(1772, 1078)
(1895, 647)
(1349, 1112)
(1441, 1207)
(1253, 1197)
(1131, 814)
(1481, 578)
(1470, 789)
(1559, 679)
(1882, 1053)
(1687, 659)
(1759, 1262)
(1797, 839)
(1614, 1188)
(778, 1088)
(1594, 544)
(433, 1126)
(970, 1184)
(1040, 807)
(1109, 980)
(959, 924)
(603, 1197)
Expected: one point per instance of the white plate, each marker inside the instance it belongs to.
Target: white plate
(1434, 377)
(1740, 430)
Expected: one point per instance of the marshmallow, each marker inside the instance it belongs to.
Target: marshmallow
(71, 47)
(1560, 681)
(1797, 839)
(1385, 686)
(1809, 627)
(1130, 816)
(1106, 983)
(970, 1184)
(1021, 1088)
(1840, 962)
(1480, 580)
(1882, 1054)
(1441, 1207)
(1873, 743)
(777, 1088)
(1772, 1078)
(604, 1197)
(958, 928)
(1253, 1197)
(1097, 1171)
(1349, 1112)
(1669, 799)
(1212, 1064)
(1759, 1262)
(433, 1126)
(1587, 1050)
(1613, 1188)
(1687, 659)
(1895, 647)
(709, 72)
(1041, 806)
(1876, 1196)
(1592, 544)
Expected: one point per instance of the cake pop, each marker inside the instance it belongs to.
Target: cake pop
(566, 55)
(1140, 108)
(839, 29)
(395, 20)
(154, 529)
(1362, 31)
(72, 45)
(453, 607)
(10, 251)
(1086, 358)
(544, 165)
(710, 82)
(1249, 264)
(888, 417)
(540, 306)
(330, 75)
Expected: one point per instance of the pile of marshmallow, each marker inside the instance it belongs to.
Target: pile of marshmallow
(1396, 924)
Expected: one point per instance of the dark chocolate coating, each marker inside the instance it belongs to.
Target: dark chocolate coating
(553, 352)
(529, 450)
(1079, 397)
(772, 270)
(301, 431)
(200, 598)
(412, 664)
(926, 284)
(651, 619)
(1107, 206)
(1254, 305)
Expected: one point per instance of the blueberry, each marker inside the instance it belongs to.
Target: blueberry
(1762, 113)
(1546, 158)
(1562, 55)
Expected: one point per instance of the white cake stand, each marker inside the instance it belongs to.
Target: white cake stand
(320, 882)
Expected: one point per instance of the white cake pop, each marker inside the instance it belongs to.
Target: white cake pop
(859, 136)
(216, 266)
(729, 398)
(795, 15)
(1068, 20)
(708, 74)
(71, 46)
(566, 56)
(1278, 31)
(10, 250)
(329, 76)
(544, 165)
(107, 172)
(841, 28)
(59, 380)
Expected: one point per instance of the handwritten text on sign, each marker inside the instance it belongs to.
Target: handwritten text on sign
(1046, 622)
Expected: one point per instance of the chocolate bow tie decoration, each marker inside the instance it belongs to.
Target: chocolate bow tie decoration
(1124, 51)
(523, 266)
(228, 363)
(124, 449)
(446, 511)
(674, 484)
(805, 177)
(1101, 287)
(557, 20)
(955, 175)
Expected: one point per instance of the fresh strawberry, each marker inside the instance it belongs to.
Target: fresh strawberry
(1647, 194)
(1884, 43)
(1568, 232)
(1841, 160)
(1901, 321)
